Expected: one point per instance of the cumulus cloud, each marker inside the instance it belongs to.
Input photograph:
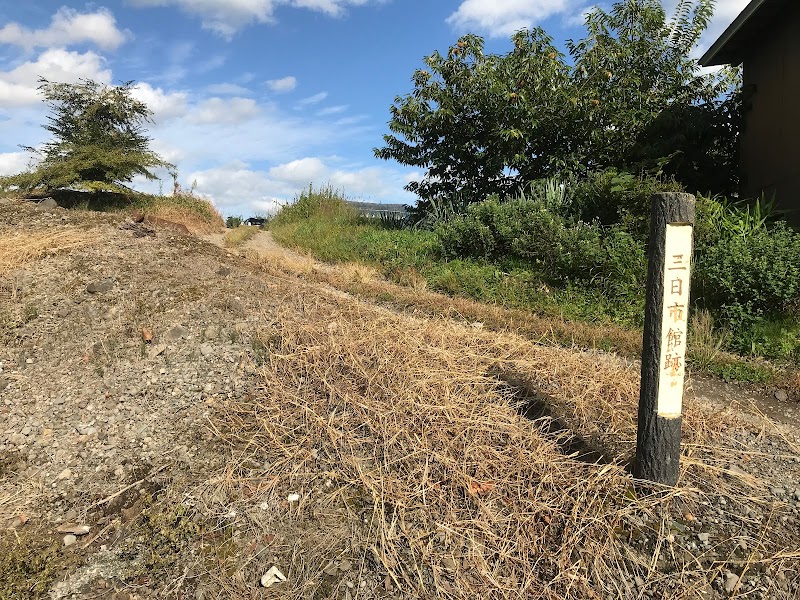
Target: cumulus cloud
(18, 87)
(302, 171)
(238, 188)
(285, 84)
(225, 110)
(502, 18)
(165, 105)
(226, 17)
(68, 27)
(12, 163)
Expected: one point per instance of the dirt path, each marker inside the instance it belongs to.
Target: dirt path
(753, 400)
(180, 421)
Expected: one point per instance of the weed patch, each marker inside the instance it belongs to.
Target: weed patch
(30, 562)
(240, 235)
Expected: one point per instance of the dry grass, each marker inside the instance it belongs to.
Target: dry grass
(18, 249)
(238, 236)
(199, 215)
(413, 293)
(412, 427)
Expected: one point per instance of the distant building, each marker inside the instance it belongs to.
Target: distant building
(765, 38)
(255, 222)
(376, 210)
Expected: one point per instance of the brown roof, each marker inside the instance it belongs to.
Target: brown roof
(731, 46)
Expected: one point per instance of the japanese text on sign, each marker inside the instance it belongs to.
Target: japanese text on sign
(677, 270)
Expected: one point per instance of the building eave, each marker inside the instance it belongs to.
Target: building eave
(730, 48)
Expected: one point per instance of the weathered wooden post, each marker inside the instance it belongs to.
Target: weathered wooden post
(658, 443)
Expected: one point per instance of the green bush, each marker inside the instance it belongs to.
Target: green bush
(325, 202)
(613, 197)
(562, 252)
(742, 278)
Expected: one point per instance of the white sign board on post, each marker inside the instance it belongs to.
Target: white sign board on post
(674, 323)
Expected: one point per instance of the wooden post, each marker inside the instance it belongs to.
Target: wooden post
(658, 440)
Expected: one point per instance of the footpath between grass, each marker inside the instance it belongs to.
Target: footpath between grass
(402, 267)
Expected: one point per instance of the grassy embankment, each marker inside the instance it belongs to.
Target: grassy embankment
(501, 295)
(198, 214)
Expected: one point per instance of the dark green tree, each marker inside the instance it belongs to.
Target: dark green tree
(99, 141)
(490, 124)
(232, 222)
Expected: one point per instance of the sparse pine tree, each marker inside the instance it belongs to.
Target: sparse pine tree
(99, 140)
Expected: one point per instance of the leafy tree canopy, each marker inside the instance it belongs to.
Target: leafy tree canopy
(628, 96)
(99, 141)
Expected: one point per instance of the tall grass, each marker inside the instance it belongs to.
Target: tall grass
(240, 235)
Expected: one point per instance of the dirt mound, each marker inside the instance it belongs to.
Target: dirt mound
(180, 421)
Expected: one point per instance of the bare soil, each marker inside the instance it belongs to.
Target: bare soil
(176, 419)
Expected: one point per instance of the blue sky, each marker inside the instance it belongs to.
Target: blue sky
(255, 99)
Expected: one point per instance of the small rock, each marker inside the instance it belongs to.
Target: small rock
(291, 498)
(177, 332)
(703, 537)
(731, 581)
(206, 349)
(47, 204)
(96, 287)
(781, 395)
(272, 577)
(74, 529)
(331, 569)
(69, 540)
(156, 350)
(777, 491)
(65, 474)
(345, 565)
(64, 311)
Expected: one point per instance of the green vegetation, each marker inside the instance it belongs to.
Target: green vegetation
(232, 222)
(29, 563)
(99, 140)
(532, 252)
(630, 97)
(238, 236)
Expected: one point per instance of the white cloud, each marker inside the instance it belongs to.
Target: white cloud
(12, 163)
(238, 188)
(301, 172)
(165, 105)
(332, 110)
(504, 17)
(223, 17)
(18, 87)
(225, 110)
(68, 27)
(226, 17)
(285, 84)
(228, 89)
(315, 99)
(233, 187)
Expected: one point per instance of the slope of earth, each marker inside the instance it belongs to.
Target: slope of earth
(180, 421)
